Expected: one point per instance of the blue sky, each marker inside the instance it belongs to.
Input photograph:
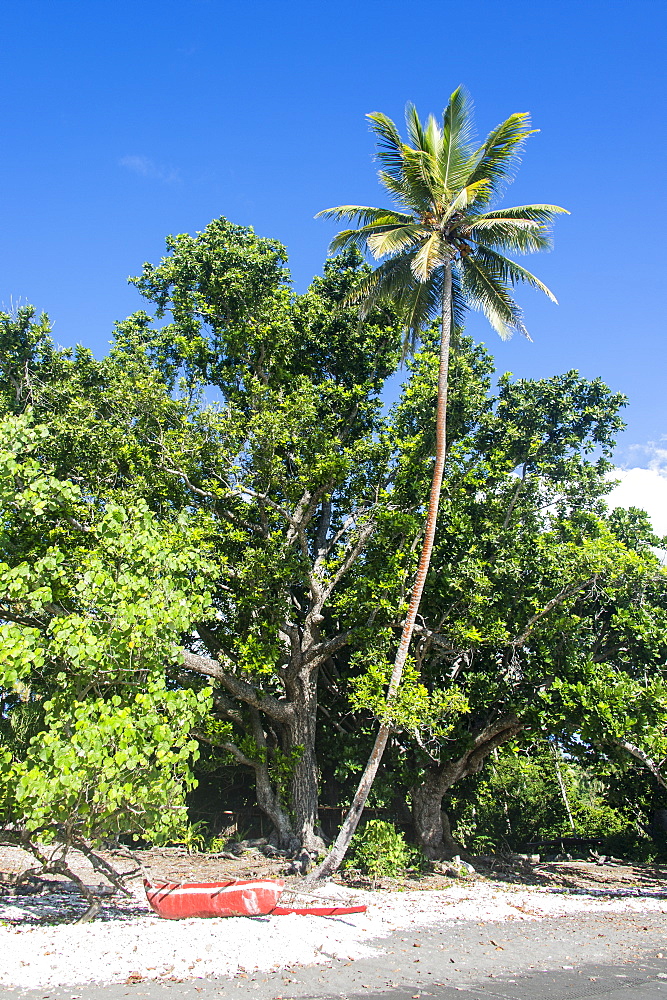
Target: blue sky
(123, 122)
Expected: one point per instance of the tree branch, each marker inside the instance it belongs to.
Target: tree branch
(514, 499)
(364, 534)
(644, 758)
(240, 522)
(324, 650)
(549, 606)
(225, 745)
(282, 711)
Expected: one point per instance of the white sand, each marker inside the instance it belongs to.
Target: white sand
(136, 943)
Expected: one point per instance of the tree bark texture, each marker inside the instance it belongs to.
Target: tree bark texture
(269, 802)
(431, 825)
(300, 737)
(432, 833)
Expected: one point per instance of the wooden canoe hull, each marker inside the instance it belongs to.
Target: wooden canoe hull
(232, 898)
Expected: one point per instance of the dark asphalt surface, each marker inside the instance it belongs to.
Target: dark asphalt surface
(605, 956)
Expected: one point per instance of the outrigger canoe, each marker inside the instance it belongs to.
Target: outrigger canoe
(233, 898)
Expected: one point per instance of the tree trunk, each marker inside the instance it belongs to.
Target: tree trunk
(269, 802)
(333, 860)
(639, 754)
(452, 846)
(432, 828)
(267, 790)
(300, 739)
(427, 817)
(563, 790)
(295, 719)
(432, 833)
(657, 828)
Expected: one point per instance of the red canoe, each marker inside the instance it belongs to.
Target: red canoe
(233, 898)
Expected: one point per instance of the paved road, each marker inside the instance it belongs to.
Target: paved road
(601, 957)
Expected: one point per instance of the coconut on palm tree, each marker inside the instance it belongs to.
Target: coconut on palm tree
(444, 250)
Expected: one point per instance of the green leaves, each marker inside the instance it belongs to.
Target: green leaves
(21, 651)
(524, 228)
(380, 850)
(219, 284)
(227, 482)
(539, 603)
(105, 767)
(88, 628)
(440, 186)
(429, 716)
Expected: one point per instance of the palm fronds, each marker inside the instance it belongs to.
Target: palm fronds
(386, 242)
(456, 146)
(497, 158)
(484, 289)
(431, 255)
(523, 236)
(509, 272)
(389, 146)
(365, 215)
(441, 186)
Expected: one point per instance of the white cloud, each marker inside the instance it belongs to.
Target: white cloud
(146, 167)
(644, 488)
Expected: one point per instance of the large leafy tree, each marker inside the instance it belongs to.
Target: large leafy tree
(445, 247)
(94, 742)
(541, 613)
(290, 476)
(283, 479)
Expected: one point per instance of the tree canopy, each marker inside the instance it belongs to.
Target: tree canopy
(207, 542)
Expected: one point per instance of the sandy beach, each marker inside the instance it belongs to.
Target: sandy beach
(128, 943)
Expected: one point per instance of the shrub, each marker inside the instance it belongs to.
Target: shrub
(379, 849)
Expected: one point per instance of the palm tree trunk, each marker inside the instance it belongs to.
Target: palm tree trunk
(335, 856)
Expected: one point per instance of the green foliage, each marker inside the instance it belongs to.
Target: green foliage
(216, 844)
(137, 519)
(226, 290)
(103, 768)
(379, 850)
(442, 187)
(282, 765)
(298, 380)
(192, 836)
(519, 800)
(427, 715)
(535, 596)
(94, 602)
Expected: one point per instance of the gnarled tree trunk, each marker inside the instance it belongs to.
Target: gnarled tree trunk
(269, 802)
(431, 824)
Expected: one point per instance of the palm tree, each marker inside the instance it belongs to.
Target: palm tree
(444, 250)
